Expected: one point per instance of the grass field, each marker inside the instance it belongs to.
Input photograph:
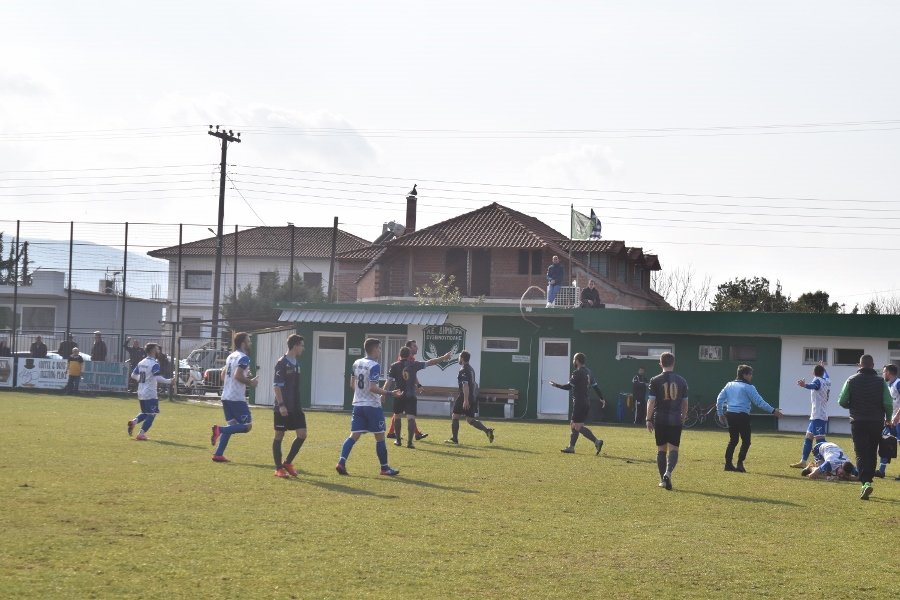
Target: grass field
(88, 513)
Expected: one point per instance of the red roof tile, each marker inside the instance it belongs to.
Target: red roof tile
(309, 242)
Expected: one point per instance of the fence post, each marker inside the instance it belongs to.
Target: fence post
(15, 307)
(176, 325)
(234, 285)
(124, 292)
(69, 293)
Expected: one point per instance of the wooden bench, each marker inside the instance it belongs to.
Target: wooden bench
(503, 396)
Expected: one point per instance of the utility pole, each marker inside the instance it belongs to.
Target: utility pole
(226, 137)
(334, 232)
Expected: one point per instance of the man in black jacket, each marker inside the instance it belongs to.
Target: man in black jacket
(581, 383)
(38, 348)
(66, 346)
(868, 399)
(639, 395)
(555, 275)
(98, 350)
(590, 296)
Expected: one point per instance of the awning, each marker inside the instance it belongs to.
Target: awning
(363, 317)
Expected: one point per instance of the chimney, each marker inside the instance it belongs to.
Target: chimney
(411, 210)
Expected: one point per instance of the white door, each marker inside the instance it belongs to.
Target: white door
(329, 376)
(269, 346)
(555, 366)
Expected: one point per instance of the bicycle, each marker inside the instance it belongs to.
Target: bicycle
(699, 414)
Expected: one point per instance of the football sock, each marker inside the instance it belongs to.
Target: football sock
(673, 460)
(807, 448)
(411, 426)
(295, 449)
(588, 434)
(882, 467)
(223, 443)
(478, 425)
(381, 451)
(418, 432)
(573, 438)
(454, 428)
(276, 453)
(661, 462)
(140, 418)
(148, 422)
(346, 448)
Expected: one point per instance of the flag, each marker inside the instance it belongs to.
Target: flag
(582, 226)
(596, 226)
(585, 227)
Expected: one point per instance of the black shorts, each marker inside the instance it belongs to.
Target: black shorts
(580, 412)
(459, 410)
(668, 434)
(291, 422)
(406, 405)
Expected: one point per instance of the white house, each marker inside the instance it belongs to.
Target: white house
(248, 258)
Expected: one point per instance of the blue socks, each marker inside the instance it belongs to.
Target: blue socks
(807, 449)
(148, 422)
(226, 434)
(347, 447)
(381, 451)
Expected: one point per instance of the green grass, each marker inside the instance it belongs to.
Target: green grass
(88, 513)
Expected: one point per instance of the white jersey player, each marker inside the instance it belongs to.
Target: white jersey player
(147, 374)
(831, 461)
(819, 393)
(234, 389)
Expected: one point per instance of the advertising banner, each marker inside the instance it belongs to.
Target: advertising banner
(6, 372)
(52, 374)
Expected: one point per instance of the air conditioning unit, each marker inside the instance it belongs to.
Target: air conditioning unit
(107, 286)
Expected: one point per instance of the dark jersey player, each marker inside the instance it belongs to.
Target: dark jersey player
(288, 412)
(466, 404)
(404, 374)
(413, 350)
(580, 383)
(667, 407)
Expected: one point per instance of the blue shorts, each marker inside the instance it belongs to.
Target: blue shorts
(367, 419)
(237, 411)
(817, 427)
(149, 407)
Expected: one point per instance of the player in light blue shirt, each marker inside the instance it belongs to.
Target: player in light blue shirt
(368, 416)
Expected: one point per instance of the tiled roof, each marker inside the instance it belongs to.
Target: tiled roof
(493, 226)
(366, 253)
(611, 246)
(309, 242)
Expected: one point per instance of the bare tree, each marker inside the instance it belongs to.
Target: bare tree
(882, 305)
(683, 288)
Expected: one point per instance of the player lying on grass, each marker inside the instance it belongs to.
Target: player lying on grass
(830, 463)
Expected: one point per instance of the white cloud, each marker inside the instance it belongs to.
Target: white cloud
(20, 84)
(584, 166)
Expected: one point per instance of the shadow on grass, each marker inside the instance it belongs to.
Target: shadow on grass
(421, 448)
(505, 449)
(342, 489)
(750, 499)
(178, 444)
(425, 484)
(271, 468)
(628, 459)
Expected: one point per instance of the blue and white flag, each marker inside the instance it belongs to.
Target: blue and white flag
(596, 226)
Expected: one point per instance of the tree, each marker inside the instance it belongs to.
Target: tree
(815, 302)
(750, 295)
(879, 305)
(255, 309)
(682, 288)
(441, 291)
(8, 266)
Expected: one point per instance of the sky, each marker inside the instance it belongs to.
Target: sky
(736, 139)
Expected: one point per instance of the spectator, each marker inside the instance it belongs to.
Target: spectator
(165, 369)
(135, 355)
(590, 296)
(639, 395)
(76, 364)
(555, 276)
(4, 348)
(867, 397)
(38, 348)
(98, 350)
(66, 347)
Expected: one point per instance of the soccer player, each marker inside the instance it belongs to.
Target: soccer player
(580, 381)
(739, 396)
(413, 350)
(667, 407)
(368, 416)
(147, 376)
(830, 461)
(819, 391)
(288, 413)
(405, 374)
(234, 401)
(466, 404)
(889, 372)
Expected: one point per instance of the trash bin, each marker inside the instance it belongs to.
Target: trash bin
(621, 407)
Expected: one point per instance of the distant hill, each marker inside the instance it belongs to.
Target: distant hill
(92, 262)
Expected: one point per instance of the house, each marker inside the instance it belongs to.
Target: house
(525, 350)
(495, 253)
(42, 309)
(249, 257)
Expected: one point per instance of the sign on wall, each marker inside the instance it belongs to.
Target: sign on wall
(52, 374)
(437, 340)
(6, 372)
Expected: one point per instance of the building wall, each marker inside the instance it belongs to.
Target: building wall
(796, 400)
(346, 274)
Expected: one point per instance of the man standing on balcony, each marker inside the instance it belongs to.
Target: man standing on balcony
(555, 276)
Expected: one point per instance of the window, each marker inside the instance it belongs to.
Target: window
(537, 262)
(812, 356)
(524, 262)
(38, 318)
(390, 349)
(6, 319)
(313, 280)
(198, 280)
(268, 280)
(600, 264)
(710, 353)
(622, 268)
(644, 351)
(638, 279)
(331, 342)
(500, 345)
(556, 349)
(847, 356)
(742, 353)
(190, 327)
